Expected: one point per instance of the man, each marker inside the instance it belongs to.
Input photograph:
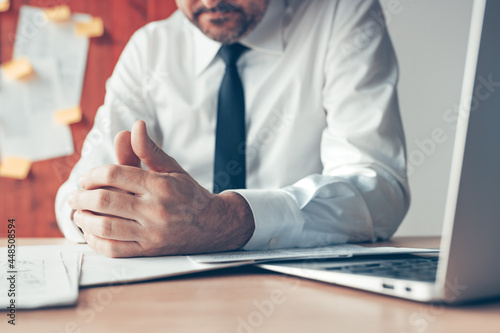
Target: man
(288, 108)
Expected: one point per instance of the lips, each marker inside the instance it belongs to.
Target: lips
(218, 15)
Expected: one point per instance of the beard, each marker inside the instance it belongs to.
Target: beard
(226, 23)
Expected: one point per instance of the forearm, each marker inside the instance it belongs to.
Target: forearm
(321, 210)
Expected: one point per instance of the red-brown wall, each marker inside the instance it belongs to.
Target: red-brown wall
(31, 201)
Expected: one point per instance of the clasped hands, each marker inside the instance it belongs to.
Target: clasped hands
(126, 211)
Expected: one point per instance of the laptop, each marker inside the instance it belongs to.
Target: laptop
(468, 266)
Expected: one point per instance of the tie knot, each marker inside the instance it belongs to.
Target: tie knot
(231, 53)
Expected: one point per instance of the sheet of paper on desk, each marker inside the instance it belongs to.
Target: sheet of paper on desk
(56, 40)
(97, 269)
(336, 251)
(39, 278)
(27, 129)
(73, 265)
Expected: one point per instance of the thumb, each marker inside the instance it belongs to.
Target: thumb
(123, 150)
(149, 153)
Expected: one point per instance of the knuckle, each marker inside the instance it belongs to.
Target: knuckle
(81, 220)
(111, 173)
(103, 199)
(136, 205)
(106, 228)
(110, 249)
(161, 183)
(161, 214)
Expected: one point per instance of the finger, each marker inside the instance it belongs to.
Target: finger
(113, 248)
(115, 189)
(105, 202)
(123, 150)
(123, 177)
(108, 227)
(149, 153)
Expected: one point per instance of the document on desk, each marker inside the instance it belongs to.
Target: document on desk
(73, 265)
(36, 279)
(335, 251)
(97, 269)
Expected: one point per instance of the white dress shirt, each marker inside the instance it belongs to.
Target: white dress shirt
(326, 150)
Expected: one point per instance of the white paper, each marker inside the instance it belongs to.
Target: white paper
(97, 269)
(27, 127)
(59, 58)
(72, 263)
(336, 251)
(40, 280)
(37, 37)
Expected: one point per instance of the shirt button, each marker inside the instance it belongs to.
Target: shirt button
(273, 241)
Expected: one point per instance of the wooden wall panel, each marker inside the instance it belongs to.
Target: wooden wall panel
(31, 201)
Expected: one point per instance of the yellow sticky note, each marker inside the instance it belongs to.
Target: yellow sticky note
(68, 116)
(4, 5)
(59, 13)
(92, 28)
(15, 167)
(17, 69)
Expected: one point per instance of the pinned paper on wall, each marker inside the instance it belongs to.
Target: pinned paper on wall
(27, 128)
(55, 40)
(15, 167)
(4, 5)
(31, 127)
(59, 13)
(17, 69)
(92, 28)
(68, 116)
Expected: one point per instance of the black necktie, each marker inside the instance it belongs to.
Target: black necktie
(230, 139)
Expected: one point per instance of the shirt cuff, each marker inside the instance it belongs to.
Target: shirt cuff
(278, 219)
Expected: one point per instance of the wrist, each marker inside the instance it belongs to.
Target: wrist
(239, 218)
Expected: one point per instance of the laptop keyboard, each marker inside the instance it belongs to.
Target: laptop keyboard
(418, 269)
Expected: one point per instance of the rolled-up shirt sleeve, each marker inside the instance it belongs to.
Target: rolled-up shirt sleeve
(362, 193)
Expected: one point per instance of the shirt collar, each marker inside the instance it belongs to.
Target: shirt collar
(268, 34)
(266, 37)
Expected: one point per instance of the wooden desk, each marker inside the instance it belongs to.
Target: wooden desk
(240, 300)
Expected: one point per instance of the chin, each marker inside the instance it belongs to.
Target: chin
(225, 36)
(224, 30)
